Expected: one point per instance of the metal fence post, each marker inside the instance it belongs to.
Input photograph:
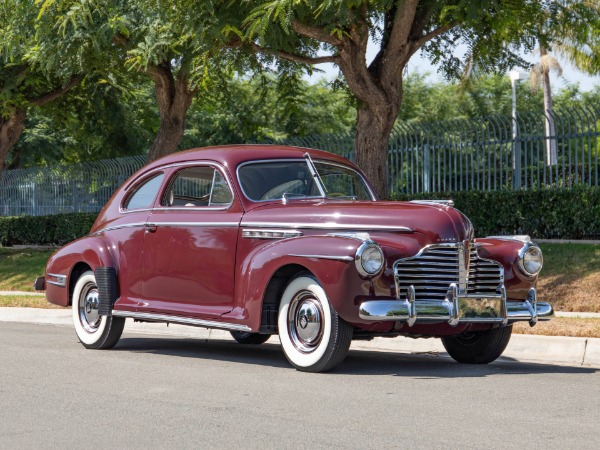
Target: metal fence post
(426, 168)
(516, 159)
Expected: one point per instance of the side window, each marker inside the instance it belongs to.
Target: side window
(143, 196)
(198, 186)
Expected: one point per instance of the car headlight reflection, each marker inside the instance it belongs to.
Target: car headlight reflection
(531, 260)
(369, 259)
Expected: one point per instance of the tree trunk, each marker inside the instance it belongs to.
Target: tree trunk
(170, 132)
(11, 128)
(371, 145)
(173, 98)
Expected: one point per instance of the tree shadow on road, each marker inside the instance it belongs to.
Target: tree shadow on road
(358, 362)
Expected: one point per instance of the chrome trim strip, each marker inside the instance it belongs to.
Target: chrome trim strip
(192, 208)
(193, 224)
(434, 202)
(117, 227)
(181, 320)
(328, 226)
(335, 258)
(61, 280)
(168, 224)
(362, 236)
(524, 238)
(270, 234)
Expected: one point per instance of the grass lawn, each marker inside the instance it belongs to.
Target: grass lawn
(570, 280)
(26, 301)
(561, 326)
(20, 267)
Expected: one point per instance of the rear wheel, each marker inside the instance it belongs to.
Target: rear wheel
(314, 338)
(250, 338)
(93, 330)
(481, 347)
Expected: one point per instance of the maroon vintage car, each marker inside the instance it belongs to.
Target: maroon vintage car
(263, 240)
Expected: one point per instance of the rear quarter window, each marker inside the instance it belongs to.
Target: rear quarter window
(143, 195)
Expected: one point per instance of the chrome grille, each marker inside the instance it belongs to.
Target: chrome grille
(437, 266)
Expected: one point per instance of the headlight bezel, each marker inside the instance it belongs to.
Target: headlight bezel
(365, 249)
(530, 249)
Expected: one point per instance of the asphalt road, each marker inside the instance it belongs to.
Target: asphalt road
(165, 392)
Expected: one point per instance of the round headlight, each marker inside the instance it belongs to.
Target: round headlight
(369, 259)
(531, 260)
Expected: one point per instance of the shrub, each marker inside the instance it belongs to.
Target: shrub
(45, 230)
(543, 214)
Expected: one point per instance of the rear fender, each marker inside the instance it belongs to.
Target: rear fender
(68, 261)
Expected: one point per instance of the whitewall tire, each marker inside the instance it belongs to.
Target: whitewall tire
(93, 330)
(314, 338)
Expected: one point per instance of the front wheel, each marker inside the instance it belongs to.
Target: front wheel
(314, 338)
(93, 330)
(480, 347)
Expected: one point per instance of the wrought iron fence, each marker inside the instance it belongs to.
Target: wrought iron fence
(82, 187)
(488, 153)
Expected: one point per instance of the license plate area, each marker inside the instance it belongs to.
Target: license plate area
(474, 308)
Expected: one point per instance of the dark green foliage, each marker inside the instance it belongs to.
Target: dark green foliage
(542, 214)
(45, 230)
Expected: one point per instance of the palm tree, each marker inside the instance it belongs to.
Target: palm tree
(540, 76)
(579, 45)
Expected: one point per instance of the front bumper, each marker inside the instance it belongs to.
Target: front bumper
(456, 309)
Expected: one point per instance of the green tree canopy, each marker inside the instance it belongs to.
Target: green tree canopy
(312, 32)
(26, 79)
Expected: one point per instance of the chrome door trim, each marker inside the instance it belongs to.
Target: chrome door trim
(193, 224)
(152, 317)
(327, 226)
(117, 227)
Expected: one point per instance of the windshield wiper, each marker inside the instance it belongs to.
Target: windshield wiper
(315, 174)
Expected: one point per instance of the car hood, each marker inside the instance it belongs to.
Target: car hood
(438, 222)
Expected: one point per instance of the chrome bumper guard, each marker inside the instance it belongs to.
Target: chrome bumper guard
(456, 309)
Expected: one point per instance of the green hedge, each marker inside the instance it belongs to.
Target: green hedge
(543, 214)
(44, 230)
(559, 214)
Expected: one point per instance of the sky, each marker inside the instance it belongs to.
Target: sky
(417, 63)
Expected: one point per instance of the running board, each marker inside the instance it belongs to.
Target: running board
(150, 317)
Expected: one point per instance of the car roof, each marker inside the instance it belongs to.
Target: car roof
(233, 155)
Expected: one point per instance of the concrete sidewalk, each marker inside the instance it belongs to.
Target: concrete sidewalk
(542, 349)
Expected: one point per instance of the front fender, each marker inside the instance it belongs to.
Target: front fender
(329, 258)
(90, 250)
(506, 252)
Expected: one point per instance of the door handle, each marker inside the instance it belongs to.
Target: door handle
(150, 228)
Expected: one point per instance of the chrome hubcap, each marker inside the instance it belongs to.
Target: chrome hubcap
(88, 309)
(305, 321)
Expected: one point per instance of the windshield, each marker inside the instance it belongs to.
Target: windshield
(287, 179)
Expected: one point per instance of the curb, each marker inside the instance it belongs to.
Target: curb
(522, 347)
